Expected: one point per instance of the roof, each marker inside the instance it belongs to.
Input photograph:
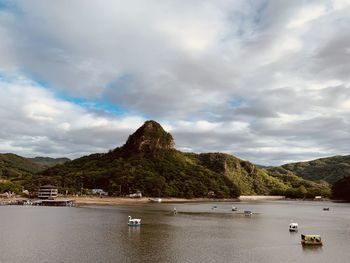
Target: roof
(311, 235)
(48, 186)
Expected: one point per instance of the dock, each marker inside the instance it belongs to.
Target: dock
(68, 202)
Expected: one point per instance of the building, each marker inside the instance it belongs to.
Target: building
(138, 194)
(47, 192)
(98, 192)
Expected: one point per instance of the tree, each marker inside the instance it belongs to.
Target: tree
(341, 189)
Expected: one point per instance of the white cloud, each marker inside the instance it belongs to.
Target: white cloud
(306, 15)
(34, 122)
(244, 77)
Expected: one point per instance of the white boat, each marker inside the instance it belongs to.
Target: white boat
(156, 200)
(134, 221)
(234, 208)
(293, 227)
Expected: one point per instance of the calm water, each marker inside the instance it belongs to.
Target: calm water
(196, 234)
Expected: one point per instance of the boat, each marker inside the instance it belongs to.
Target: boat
(134, 221)
(326, 209)
(248, 212)
(156, 200)
(234, 208)
(293, 227)
(311, 240)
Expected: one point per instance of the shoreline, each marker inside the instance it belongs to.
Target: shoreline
(137, 201)
(115, 201)
(88, 200)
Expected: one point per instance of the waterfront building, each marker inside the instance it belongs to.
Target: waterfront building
(47, 192)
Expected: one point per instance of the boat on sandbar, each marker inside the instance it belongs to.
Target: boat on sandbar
(155, 200)
(311, 240)
(134, 221)
(293, 227)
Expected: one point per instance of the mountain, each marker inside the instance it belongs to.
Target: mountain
(150, 163)
(149, 139)
(47, 162)
(329, 169)
(14, 166)
(15, 171)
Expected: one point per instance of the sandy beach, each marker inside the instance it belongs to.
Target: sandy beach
(91, 200)
(81, 200)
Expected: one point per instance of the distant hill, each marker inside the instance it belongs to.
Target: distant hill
(329, 169)
(47, 161)
(17, 168)
(17, 171)
(149, 162)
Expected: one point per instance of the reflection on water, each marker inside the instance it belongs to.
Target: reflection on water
(311, 250)
(197, 233)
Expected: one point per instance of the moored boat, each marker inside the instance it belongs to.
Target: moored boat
(293, 227)
(248, 213)
(311, 240)
(134, 221)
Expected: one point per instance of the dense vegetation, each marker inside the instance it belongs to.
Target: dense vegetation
(15, 171)
(329, 169)
(341, 189)
(46, 162)
(149, 162)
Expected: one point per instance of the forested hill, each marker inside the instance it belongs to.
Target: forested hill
(13, 166)
(47, 162)
(149, 162)
(329, 169)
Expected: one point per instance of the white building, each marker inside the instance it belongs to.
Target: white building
(47, 192)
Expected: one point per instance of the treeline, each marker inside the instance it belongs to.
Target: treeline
(174, 174)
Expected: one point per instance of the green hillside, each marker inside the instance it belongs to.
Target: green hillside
(47, 162)
(15, 167)
(149, 162)
(329, 169)
(15, 171)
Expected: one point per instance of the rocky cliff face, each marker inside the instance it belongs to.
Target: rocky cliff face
(150, 138)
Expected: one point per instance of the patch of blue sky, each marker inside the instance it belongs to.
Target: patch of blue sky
(96, 105)
(237, 102)
(9, 6)
(4, 5)
(93, 105)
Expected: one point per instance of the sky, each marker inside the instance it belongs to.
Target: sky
(266, 81)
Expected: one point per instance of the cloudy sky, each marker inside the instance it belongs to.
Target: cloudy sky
(266, 81)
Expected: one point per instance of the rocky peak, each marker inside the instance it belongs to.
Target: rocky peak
(148, 139)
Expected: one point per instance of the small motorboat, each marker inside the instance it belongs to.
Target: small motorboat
(175, 211)
(214, 207)
(293, 227)
(234, 208)
(326, 209)
(311, 240)
(156, 200)
(134, 221)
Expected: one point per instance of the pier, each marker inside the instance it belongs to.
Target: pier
(69, 202)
